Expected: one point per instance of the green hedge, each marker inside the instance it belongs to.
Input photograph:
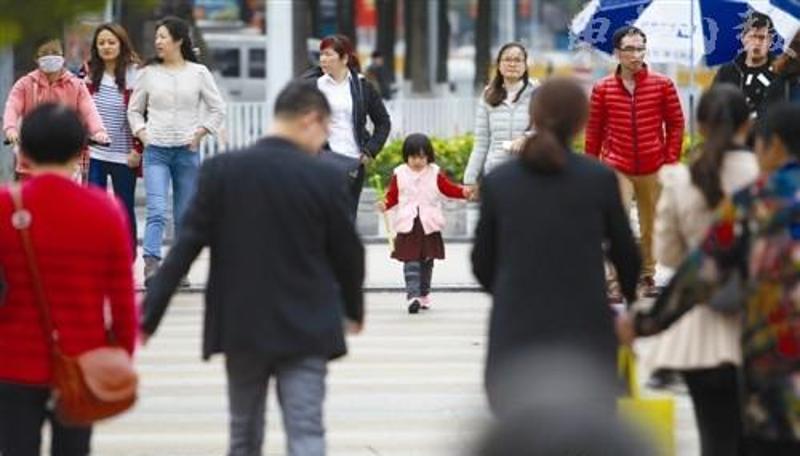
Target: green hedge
(451, 155)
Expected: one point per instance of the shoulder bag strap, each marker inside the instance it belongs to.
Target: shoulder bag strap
(21, 220)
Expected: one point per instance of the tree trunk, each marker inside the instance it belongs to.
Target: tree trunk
(442, 42)
(407, 37)
(313, 14)
(387, 18)
(135, 20)
(346, 18)
(417, 53)
(482, 43)
(301, 30)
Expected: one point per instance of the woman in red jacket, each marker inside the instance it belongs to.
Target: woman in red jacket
(83, 251)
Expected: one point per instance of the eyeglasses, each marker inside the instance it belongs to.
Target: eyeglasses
(633, 50)
(512, 60)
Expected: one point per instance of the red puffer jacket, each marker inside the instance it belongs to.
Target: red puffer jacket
(635, 134)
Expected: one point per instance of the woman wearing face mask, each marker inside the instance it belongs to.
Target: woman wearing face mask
(50, 82)
(110, 76)
(171, 90)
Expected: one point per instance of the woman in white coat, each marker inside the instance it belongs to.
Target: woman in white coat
(704, 345)
(502, 113)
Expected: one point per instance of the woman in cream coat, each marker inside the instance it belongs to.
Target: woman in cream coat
(704, 344)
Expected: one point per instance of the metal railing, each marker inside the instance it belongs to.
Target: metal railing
(441, 117)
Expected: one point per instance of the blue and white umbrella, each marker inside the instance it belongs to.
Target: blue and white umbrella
(684, 31)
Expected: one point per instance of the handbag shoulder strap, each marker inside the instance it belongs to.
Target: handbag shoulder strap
(21, 220)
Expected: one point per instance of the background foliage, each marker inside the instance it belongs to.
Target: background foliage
(451, 155)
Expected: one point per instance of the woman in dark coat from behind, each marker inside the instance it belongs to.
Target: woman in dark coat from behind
(539, 245)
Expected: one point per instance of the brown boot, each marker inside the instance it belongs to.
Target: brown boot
(151, 265)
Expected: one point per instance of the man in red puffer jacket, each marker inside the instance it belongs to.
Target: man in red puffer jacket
(636, 126)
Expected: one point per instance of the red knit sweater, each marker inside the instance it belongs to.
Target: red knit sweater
(82, 244)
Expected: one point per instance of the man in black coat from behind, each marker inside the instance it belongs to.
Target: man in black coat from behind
(751, 71)
(285, 276)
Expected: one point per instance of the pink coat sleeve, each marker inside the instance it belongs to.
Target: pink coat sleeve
(15, 105)
(88, 111)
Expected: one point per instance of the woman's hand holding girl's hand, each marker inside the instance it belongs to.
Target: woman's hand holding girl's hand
(381, 206)
(517, 145)
(469, 192)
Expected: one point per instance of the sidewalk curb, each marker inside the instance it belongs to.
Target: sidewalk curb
(366, 240)
(446, 288)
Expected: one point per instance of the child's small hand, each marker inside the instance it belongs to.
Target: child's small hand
(471, 192)
(381, 206)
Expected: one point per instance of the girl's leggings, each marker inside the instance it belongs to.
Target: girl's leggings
(418, 277)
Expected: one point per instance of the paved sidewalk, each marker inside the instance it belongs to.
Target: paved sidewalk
(383, 273)
(410, 386)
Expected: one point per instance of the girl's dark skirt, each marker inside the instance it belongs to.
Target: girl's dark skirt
(416, 245)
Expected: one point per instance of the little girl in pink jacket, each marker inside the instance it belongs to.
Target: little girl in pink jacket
(414, 202)
(50, 82)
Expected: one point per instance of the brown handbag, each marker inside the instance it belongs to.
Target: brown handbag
(97, 384)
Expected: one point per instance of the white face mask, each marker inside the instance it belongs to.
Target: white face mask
(51, 63)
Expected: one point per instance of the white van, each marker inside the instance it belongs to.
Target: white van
(240, 63)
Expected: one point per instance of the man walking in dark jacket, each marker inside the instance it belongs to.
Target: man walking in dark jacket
(285, 277)
(751, 71)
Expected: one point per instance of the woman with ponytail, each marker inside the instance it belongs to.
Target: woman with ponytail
(502, 114)
(539, 245)
(704, 345)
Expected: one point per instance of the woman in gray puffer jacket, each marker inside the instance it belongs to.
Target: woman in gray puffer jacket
(502, 114)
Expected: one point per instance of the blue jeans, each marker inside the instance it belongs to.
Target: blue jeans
(123, 179)
(162, 165)
(300, 384)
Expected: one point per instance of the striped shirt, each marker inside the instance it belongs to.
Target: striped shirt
(110, 103)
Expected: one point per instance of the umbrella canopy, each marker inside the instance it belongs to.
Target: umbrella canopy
(684, 31)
